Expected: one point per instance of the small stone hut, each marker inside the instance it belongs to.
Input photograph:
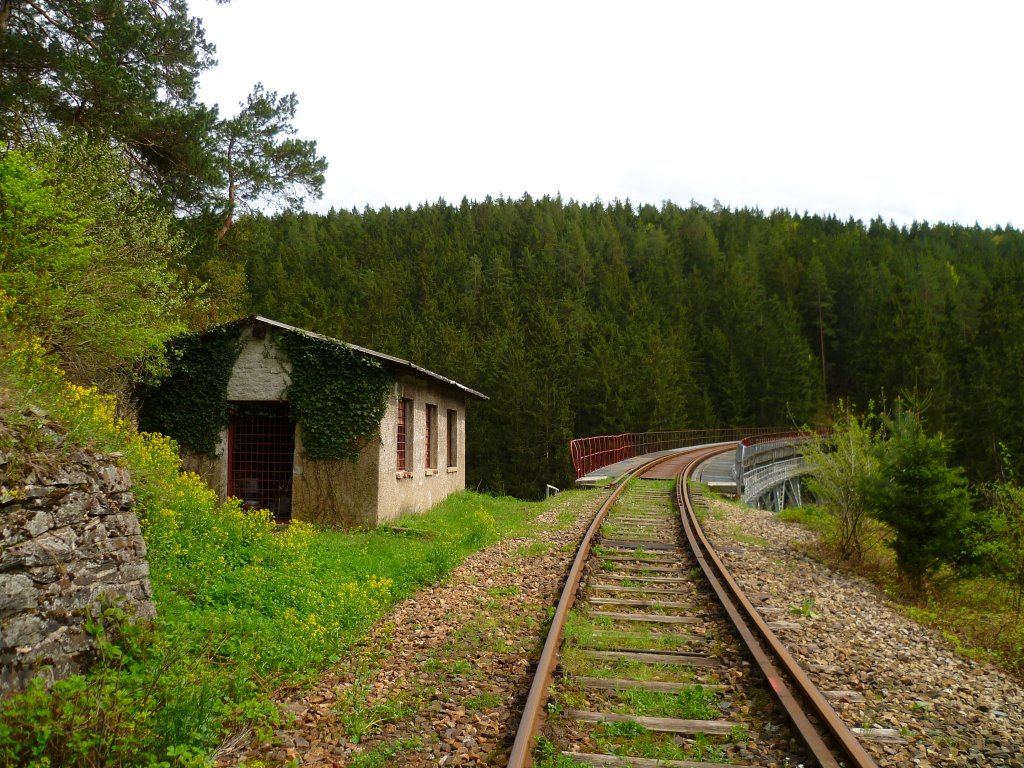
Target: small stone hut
(309, 427)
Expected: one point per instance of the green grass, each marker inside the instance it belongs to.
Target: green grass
(508, 591)
(693, 703)
(809, 516)
(633, 740)
(585, 632)
(483, 701)
(737, 534)
(547, 755)
(244, 607)
(459, 526)
(577, 665)
(977, 617)
(533, 549)
(569, 502)
(662, 485)
(381, 755)
(358, 716)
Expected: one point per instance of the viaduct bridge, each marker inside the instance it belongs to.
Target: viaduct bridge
(765, 470)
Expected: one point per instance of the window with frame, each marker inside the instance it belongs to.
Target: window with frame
(403, 434)
(453, 438)
(430, 437)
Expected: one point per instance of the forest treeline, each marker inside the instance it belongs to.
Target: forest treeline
(581, 319)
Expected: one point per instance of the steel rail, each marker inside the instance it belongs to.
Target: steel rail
(758, 637)
(521, 755)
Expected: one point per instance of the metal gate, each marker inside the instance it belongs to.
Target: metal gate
(261, 450)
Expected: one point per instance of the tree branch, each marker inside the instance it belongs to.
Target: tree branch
(70, 32)
(5, 14)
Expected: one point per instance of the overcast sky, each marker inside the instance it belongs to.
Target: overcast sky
(908, 110)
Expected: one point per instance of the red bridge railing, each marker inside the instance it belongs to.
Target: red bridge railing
(592, 453)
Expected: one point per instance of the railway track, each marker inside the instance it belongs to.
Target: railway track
(656, 658)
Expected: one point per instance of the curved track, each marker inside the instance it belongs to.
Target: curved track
(652, 665)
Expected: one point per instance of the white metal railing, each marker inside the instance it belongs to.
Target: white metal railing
(767, 476)
(769, 449)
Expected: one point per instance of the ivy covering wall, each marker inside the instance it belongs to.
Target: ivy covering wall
(191, 404)
(337, 395)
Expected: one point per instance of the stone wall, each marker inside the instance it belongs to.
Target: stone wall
(69, 540)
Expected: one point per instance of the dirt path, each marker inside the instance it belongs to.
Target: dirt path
(442, 679)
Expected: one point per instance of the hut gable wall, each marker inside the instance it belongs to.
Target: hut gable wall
(262, 372)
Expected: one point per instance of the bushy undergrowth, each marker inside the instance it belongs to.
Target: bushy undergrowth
(244, 606)
(977, 613)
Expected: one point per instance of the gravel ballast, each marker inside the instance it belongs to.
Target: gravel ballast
(925, 704)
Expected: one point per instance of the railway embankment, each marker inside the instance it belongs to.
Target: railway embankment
(443, 677)
(929, 705)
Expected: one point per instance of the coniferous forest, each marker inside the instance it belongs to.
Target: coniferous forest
(581, 319)
(576, 319)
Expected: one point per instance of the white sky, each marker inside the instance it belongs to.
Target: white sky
(908, 110)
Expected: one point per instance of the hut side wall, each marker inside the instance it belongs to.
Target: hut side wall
(336, 493)
(419, 488)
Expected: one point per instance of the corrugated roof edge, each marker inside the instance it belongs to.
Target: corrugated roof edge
(396, 361)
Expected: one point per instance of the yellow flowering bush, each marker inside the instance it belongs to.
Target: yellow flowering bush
(31, 361)
(6, 305)
(229, 565)
(482, 526)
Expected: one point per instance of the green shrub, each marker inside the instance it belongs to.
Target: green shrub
(1000, 534)
(924, 500)
(842, 467)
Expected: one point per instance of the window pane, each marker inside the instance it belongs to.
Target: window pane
(403, 406)
(453, 438)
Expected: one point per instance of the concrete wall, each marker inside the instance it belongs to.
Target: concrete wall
(69, 540)
(418, 488)
(262, 372)
(336, 493)
(213, 469)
